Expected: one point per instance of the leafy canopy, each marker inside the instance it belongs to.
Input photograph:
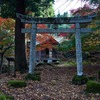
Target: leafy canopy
(37, 7)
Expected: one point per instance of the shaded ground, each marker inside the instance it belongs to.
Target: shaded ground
(55, 84)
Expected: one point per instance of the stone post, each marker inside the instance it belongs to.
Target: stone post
(32, 58)
(78, 51)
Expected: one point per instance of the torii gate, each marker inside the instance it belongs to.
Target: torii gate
(71, 20)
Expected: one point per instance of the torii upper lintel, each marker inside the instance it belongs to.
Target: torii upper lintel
(53, 20)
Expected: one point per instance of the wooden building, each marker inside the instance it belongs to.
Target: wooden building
(45, 48)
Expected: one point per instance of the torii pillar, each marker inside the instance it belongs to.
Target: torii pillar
(78, 51)
(32, 58)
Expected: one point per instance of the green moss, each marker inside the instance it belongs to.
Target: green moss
(79, 80)
(35, 76)
(93, 87)
(17, 83)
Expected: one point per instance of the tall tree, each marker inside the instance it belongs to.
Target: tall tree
(9, 9)
(6, 38)
(20, 58)
(37, 7)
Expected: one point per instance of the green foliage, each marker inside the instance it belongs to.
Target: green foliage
(90, 41)
(70, 63)
(2, 97)
(67, 45)
(38, 7)
(9, 97)
(8, 8)
(97, 25)
(6, 97)
(93, 87)
(34, 77)
(17, 83)
(6, 33)
(79, 80)
(6, 38)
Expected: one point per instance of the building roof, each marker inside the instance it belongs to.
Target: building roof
(45, 41)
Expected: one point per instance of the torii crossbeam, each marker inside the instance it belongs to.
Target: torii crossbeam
(77, 30)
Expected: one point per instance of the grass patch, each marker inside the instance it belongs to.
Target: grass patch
(71, 63)
(17, 83)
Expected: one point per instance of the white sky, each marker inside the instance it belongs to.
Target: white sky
(66, 5)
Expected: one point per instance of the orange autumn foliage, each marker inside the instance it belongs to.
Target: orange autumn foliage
(45, 41)
(38, 26)
(7, 23)
(41, 26)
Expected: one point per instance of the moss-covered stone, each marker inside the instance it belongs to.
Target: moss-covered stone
(17, 83)
(34, 77)
(93, 87)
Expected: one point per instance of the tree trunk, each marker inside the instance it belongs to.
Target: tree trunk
(1, 62)
(20, 56)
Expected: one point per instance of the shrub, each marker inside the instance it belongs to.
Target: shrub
(17, 83)
(35, 76)
(93, 87)
(79, 80)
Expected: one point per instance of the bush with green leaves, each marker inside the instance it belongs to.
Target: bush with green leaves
(93, 87)
(17, 83)
(79, 80)
(34, 77)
